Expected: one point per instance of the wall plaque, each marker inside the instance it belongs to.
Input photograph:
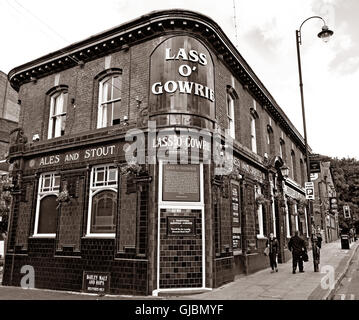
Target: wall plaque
(181, 226)
(181, 182)
(96, 282)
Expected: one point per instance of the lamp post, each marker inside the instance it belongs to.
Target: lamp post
(325, 34)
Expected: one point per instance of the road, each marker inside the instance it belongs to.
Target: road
(349, 286)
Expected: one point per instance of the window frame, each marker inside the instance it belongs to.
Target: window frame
(259, 215)
(94, 190)
(231, 116)
(294, 165)
(253, 134)
(59, 117)
(41, 194)
(101, 104)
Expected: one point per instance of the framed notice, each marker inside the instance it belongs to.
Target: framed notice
(181, 226)
(96, 282)
(181, 183)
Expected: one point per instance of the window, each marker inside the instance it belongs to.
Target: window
(58, 108)
(302, 175)
(260, 221)
(103, 201)
(109, 101)
(253, 134)
(294, 167)
(282, 152)
(270, 140)
(230, 115)
(46, 207)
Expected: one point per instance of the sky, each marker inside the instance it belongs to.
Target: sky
(265, 36)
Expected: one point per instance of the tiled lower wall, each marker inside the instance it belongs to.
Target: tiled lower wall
(223, 271)
(128, 276)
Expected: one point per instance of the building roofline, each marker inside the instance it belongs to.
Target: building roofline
(146, 27)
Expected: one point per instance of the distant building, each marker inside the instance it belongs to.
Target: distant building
(325, 218)
(9, 118)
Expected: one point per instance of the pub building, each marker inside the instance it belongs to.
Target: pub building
(86, 219)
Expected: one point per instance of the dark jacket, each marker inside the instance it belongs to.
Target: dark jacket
(273, 245)
(319, 241)
(297, 245)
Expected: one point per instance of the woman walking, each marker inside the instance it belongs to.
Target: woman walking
(272, 246)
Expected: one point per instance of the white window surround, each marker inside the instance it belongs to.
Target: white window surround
(57, 117)
(260, 235)
(273, 209)
(296, 217)
(287, 218)
(96, 185)
(253, 135)
(43, 191)
(230, 115)
(102, 116)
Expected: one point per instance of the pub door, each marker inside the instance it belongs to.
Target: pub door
(180, 240)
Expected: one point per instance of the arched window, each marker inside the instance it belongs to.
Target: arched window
(270, 140)
(103, 201)
(232, 96)
(230, 115)
(46, 208)
(58, 110)
(109, 104)
(254, 117)
(104, 206)
(282, 150)
(294, 165)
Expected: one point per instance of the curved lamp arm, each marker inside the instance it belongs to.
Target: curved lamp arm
(300, 28)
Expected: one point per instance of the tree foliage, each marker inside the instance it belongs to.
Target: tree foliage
(5, 202)
(346, 180)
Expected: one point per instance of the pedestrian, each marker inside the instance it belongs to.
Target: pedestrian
(297, 246)
(273, 247)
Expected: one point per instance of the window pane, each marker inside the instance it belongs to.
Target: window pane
(116, 112)
(116, 87)
(104, 205)
(46, 182)
(57, 182)
(100, 176)
(63, 124)
(112, 176)
(106, 91)
(59, 103)
(64, 105)
(109, 115)
(54, 124)
(47, 215)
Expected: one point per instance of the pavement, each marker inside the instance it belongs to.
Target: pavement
(284, 285)
(261, 285)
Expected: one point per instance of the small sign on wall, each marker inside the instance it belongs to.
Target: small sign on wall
(96, 282)
(181, 182)
(181, 226)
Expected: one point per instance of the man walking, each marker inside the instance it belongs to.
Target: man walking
(297, 246)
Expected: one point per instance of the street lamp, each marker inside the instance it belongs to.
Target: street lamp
(325, 35)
